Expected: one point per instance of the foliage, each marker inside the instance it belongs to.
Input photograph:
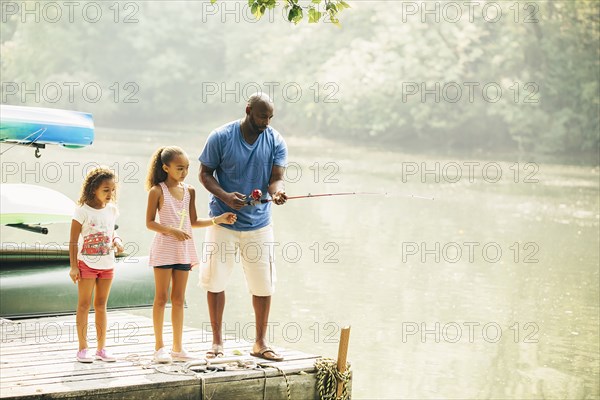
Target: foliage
(295, 11)
(356, 81)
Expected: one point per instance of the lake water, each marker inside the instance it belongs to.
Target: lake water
(489, 291)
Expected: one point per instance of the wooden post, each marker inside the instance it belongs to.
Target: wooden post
(342, 355)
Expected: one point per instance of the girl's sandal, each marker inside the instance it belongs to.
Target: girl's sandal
(215, 352)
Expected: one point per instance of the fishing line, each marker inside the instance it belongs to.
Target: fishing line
(360, 194)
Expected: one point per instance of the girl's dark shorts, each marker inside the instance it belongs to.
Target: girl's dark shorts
(177, 267)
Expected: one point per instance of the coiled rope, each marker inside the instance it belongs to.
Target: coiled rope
(328, 377)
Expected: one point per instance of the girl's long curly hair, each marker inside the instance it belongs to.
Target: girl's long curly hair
(92, 182)
(162, 156)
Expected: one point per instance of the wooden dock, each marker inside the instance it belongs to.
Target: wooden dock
(37, 360)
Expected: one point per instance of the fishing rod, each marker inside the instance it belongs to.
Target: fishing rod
(256, 196)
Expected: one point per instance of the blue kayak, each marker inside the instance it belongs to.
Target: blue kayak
(41, 126)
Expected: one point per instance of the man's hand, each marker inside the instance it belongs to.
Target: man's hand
(235, 200)
(279, 197)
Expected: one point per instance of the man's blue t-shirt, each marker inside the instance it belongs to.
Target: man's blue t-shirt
(241, 167)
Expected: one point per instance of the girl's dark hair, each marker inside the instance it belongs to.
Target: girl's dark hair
(92, 182)
(162, 156)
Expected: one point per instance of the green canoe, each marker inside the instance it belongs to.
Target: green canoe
(41, 287)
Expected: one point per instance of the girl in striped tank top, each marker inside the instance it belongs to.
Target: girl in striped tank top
(173, 253)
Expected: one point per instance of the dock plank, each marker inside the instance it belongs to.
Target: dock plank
(37, 359)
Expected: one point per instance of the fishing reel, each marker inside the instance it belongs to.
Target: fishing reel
(256, 198)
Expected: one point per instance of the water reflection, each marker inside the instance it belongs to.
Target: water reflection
(372, 262)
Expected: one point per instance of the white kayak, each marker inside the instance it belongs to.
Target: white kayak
(30, 204)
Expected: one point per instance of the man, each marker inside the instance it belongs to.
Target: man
(237, 158)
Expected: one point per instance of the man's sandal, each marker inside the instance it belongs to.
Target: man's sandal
(267, 353)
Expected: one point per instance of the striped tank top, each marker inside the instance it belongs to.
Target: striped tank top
(165, 249)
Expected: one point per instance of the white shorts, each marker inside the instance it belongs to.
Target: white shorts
(224, 248)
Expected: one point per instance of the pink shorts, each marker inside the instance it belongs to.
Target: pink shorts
(87, 272)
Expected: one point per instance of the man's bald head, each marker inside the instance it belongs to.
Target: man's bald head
(259, 98)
